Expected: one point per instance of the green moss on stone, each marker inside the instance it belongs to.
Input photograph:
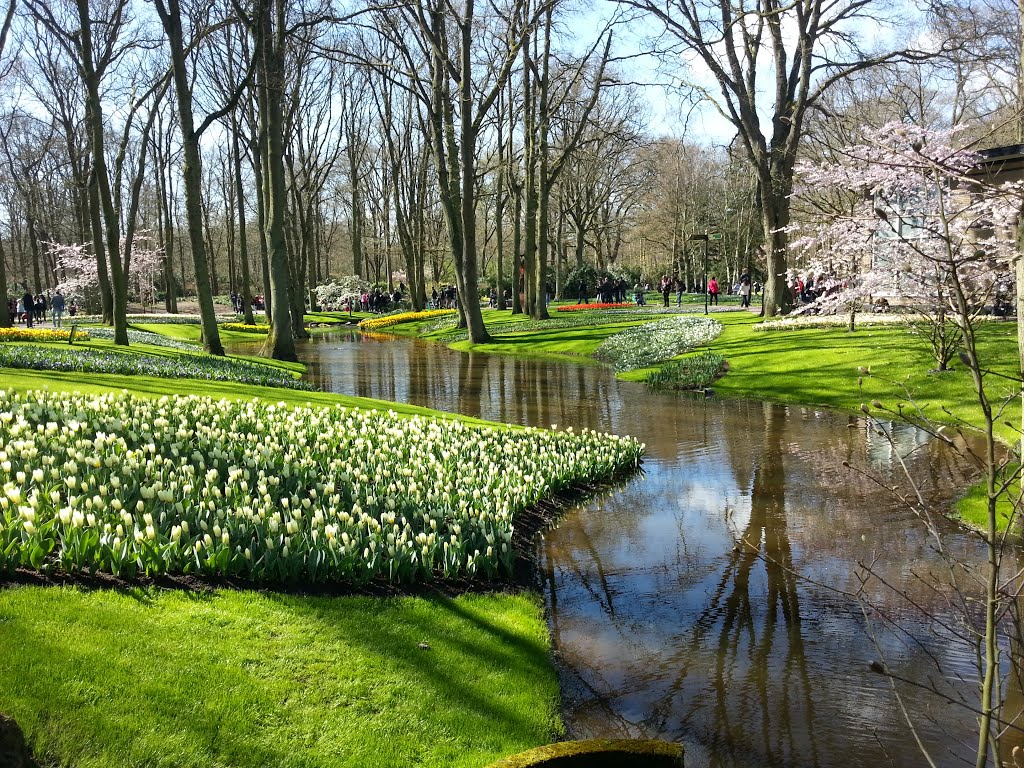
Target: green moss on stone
(599, 753)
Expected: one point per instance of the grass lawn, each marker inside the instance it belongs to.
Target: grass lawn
(333, 318)
(168, 678)
(821, 367)
(571, 344)
(813, 366)
(192, 332)
(150, 678)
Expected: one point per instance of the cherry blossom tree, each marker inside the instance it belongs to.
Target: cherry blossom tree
(929, 228)
(332, 295)
(78, 274)
(921, 228)
(76, 269)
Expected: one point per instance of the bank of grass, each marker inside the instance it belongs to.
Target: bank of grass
(149, 678)
(190, 332)
(972, 508)
(821, 366)
(815, 366)
(153, 678)
(560, 344)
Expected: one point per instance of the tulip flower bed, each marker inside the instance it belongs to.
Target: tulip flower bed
(586, 307)
(384, 321)
(127, 485)
(39, 334)
(530, 326)
(243, 328)
(206, 367)
(658, 341)
(156, 317)
(142, 337)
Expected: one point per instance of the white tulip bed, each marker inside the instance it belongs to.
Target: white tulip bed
(270, 493)
(656, 342)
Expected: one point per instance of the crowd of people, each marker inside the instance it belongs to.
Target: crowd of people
(238, 303)
(33, 309)
(745, 287)
(809, 286)
(446, 298)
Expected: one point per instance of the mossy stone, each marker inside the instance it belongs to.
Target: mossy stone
(599, 753)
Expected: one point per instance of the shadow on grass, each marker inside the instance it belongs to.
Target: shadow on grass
(255, 680)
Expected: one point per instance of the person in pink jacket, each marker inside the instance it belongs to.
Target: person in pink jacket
(713, 290)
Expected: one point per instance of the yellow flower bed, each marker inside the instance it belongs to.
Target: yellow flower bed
(243, 328)
(40, 334)
(376, 323)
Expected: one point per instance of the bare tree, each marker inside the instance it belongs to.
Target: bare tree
(457, 98)
(170, 14)
(805, 48)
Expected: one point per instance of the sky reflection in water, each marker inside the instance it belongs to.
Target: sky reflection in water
(707, 601)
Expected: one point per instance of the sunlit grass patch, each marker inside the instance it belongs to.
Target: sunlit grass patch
(249, 680)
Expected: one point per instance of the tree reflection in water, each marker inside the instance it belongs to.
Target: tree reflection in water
(676, 604)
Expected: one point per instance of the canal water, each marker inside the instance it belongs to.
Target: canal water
(720, 598)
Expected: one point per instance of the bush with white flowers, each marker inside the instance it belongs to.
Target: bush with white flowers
(658, 341)
(332, 295)
(270, 493)
(798, 322)
(128, 363)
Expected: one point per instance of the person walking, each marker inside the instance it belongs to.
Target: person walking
(57, 308)
(29, 302)
(745, 288)
(712, 290)
(665, 286)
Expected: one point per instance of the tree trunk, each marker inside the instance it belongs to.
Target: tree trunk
(192, 178)
(530, 187)
(95, 127)
(5, 316)
(261, 221)
(778, 299)
(280, 343)
(466, 271)
(243, 238)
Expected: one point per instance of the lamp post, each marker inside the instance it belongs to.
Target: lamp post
(696, 238)
(706, 237)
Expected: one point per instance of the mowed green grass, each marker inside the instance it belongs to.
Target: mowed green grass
(147, 678)
(822, 367)
(151, 678)
(819, 366)
(574, 345)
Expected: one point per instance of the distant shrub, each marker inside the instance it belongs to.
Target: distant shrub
(689, 374)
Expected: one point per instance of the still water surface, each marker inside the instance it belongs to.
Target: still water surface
(708, 600)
